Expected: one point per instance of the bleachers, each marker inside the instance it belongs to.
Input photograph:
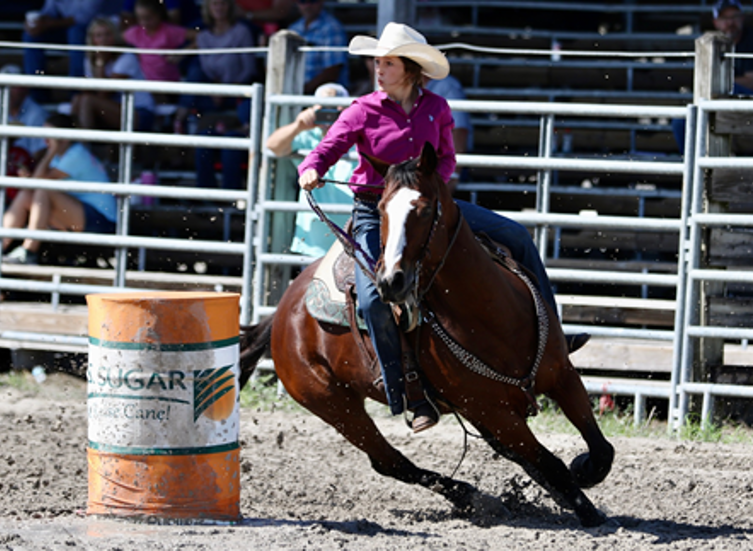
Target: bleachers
(596, 27)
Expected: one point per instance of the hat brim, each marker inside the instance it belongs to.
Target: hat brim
(432, 61)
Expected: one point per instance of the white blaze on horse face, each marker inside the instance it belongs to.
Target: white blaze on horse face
(398, 209)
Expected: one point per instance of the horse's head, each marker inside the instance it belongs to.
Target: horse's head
(410, 209)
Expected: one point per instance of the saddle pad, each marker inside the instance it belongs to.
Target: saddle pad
(325, 296)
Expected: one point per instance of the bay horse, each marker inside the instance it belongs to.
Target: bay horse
(481, 308)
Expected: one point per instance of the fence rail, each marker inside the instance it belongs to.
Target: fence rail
(260, 257)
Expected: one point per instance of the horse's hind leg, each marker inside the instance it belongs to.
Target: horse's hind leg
(589, 468)
(359, 429)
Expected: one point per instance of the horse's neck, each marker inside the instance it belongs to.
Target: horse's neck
(470, 275)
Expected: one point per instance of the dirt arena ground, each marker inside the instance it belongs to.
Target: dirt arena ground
(304, 487)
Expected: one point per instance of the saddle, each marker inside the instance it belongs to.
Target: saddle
(332, 289)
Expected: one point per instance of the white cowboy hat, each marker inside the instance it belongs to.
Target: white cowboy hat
(400, 40)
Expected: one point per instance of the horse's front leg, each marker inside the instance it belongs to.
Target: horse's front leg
(352, 421)
(511, 437)
(589, 468)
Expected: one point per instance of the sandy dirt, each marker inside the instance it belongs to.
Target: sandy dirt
(304, 487)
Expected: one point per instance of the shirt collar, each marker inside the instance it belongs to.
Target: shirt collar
(382, 96)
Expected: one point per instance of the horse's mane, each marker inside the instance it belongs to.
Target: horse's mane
(404, 175)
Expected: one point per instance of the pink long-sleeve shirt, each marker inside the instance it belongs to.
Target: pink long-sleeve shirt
(378, 126)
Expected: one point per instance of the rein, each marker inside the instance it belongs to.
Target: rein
(351, 247)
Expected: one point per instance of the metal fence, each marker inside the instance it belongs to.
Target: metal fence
(542, 220)
(123, 189)
(260, 205)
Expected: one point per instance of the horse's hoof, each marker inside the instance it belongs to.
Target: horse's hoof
(592, 518)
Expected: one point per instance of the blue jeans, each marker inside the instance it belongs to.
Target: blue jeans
(382, 328)
(515, 237)
(34, 59)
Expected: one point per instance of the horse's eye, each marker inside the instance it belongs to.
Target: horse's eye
(426, 212)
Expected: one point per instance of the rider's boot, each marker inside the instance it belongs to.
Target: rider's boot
(577, 341)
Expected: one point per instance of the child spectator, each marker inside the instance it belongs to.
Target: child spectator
(153, 31)
(223, 31)
(101, 109)
(60, 21)
(41, 209)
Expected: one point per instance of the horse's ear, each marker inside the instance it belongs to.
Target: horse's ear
(428, 162)
(380, 166)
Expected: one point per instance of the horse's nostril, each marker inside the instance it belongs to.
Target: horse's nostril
(398, 280)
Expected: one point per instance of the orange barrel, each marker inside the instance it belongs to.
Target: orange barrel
(163, 405)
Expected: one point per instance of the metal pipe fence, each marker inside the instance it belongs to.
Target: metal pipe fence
(260, 207)
(542, 220)
(126, 138)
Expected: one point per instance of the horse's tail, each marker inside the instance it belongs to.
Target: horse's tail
(255, 341)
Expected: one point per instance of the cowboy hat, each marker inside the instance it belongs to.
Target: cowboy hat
(400, 40)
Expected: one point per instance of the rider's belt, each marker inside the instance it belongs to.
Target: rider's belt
(367, 197)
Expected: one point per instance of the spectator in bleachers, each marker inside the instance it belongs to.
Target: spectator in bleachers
(269, 15)
(60, 21)
(729, 19)
(319, 28)
(153, 31)
(450, 88)
(23, 110)
(312, 237)
(42, 209)
(223, 30)
(101, 109)
(185, 13)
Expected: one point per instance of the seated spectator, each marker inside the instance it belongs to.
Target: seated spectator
(42, 209)
(269, 15)
(729, 19)
(25, 111)
(450, 88)
(153, 31)
(179, 12)
(101, 109)
(312, 237)
(63, 22)
(223, 30)
(319, 28)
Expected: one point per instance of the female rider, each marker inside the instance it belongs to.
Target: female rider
(392, 124)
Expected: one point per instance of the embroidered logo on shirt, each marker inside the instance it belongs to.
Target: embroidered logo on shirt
(431, 118)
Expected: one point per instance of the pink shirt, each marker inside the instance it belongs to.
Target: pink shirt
(167, 36)
(379, 127)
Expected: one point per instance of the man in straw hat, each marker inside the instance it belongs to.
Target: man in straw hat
(392, 124)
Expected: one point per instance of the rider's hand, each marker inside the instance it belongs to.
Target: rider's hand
(309, 180)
